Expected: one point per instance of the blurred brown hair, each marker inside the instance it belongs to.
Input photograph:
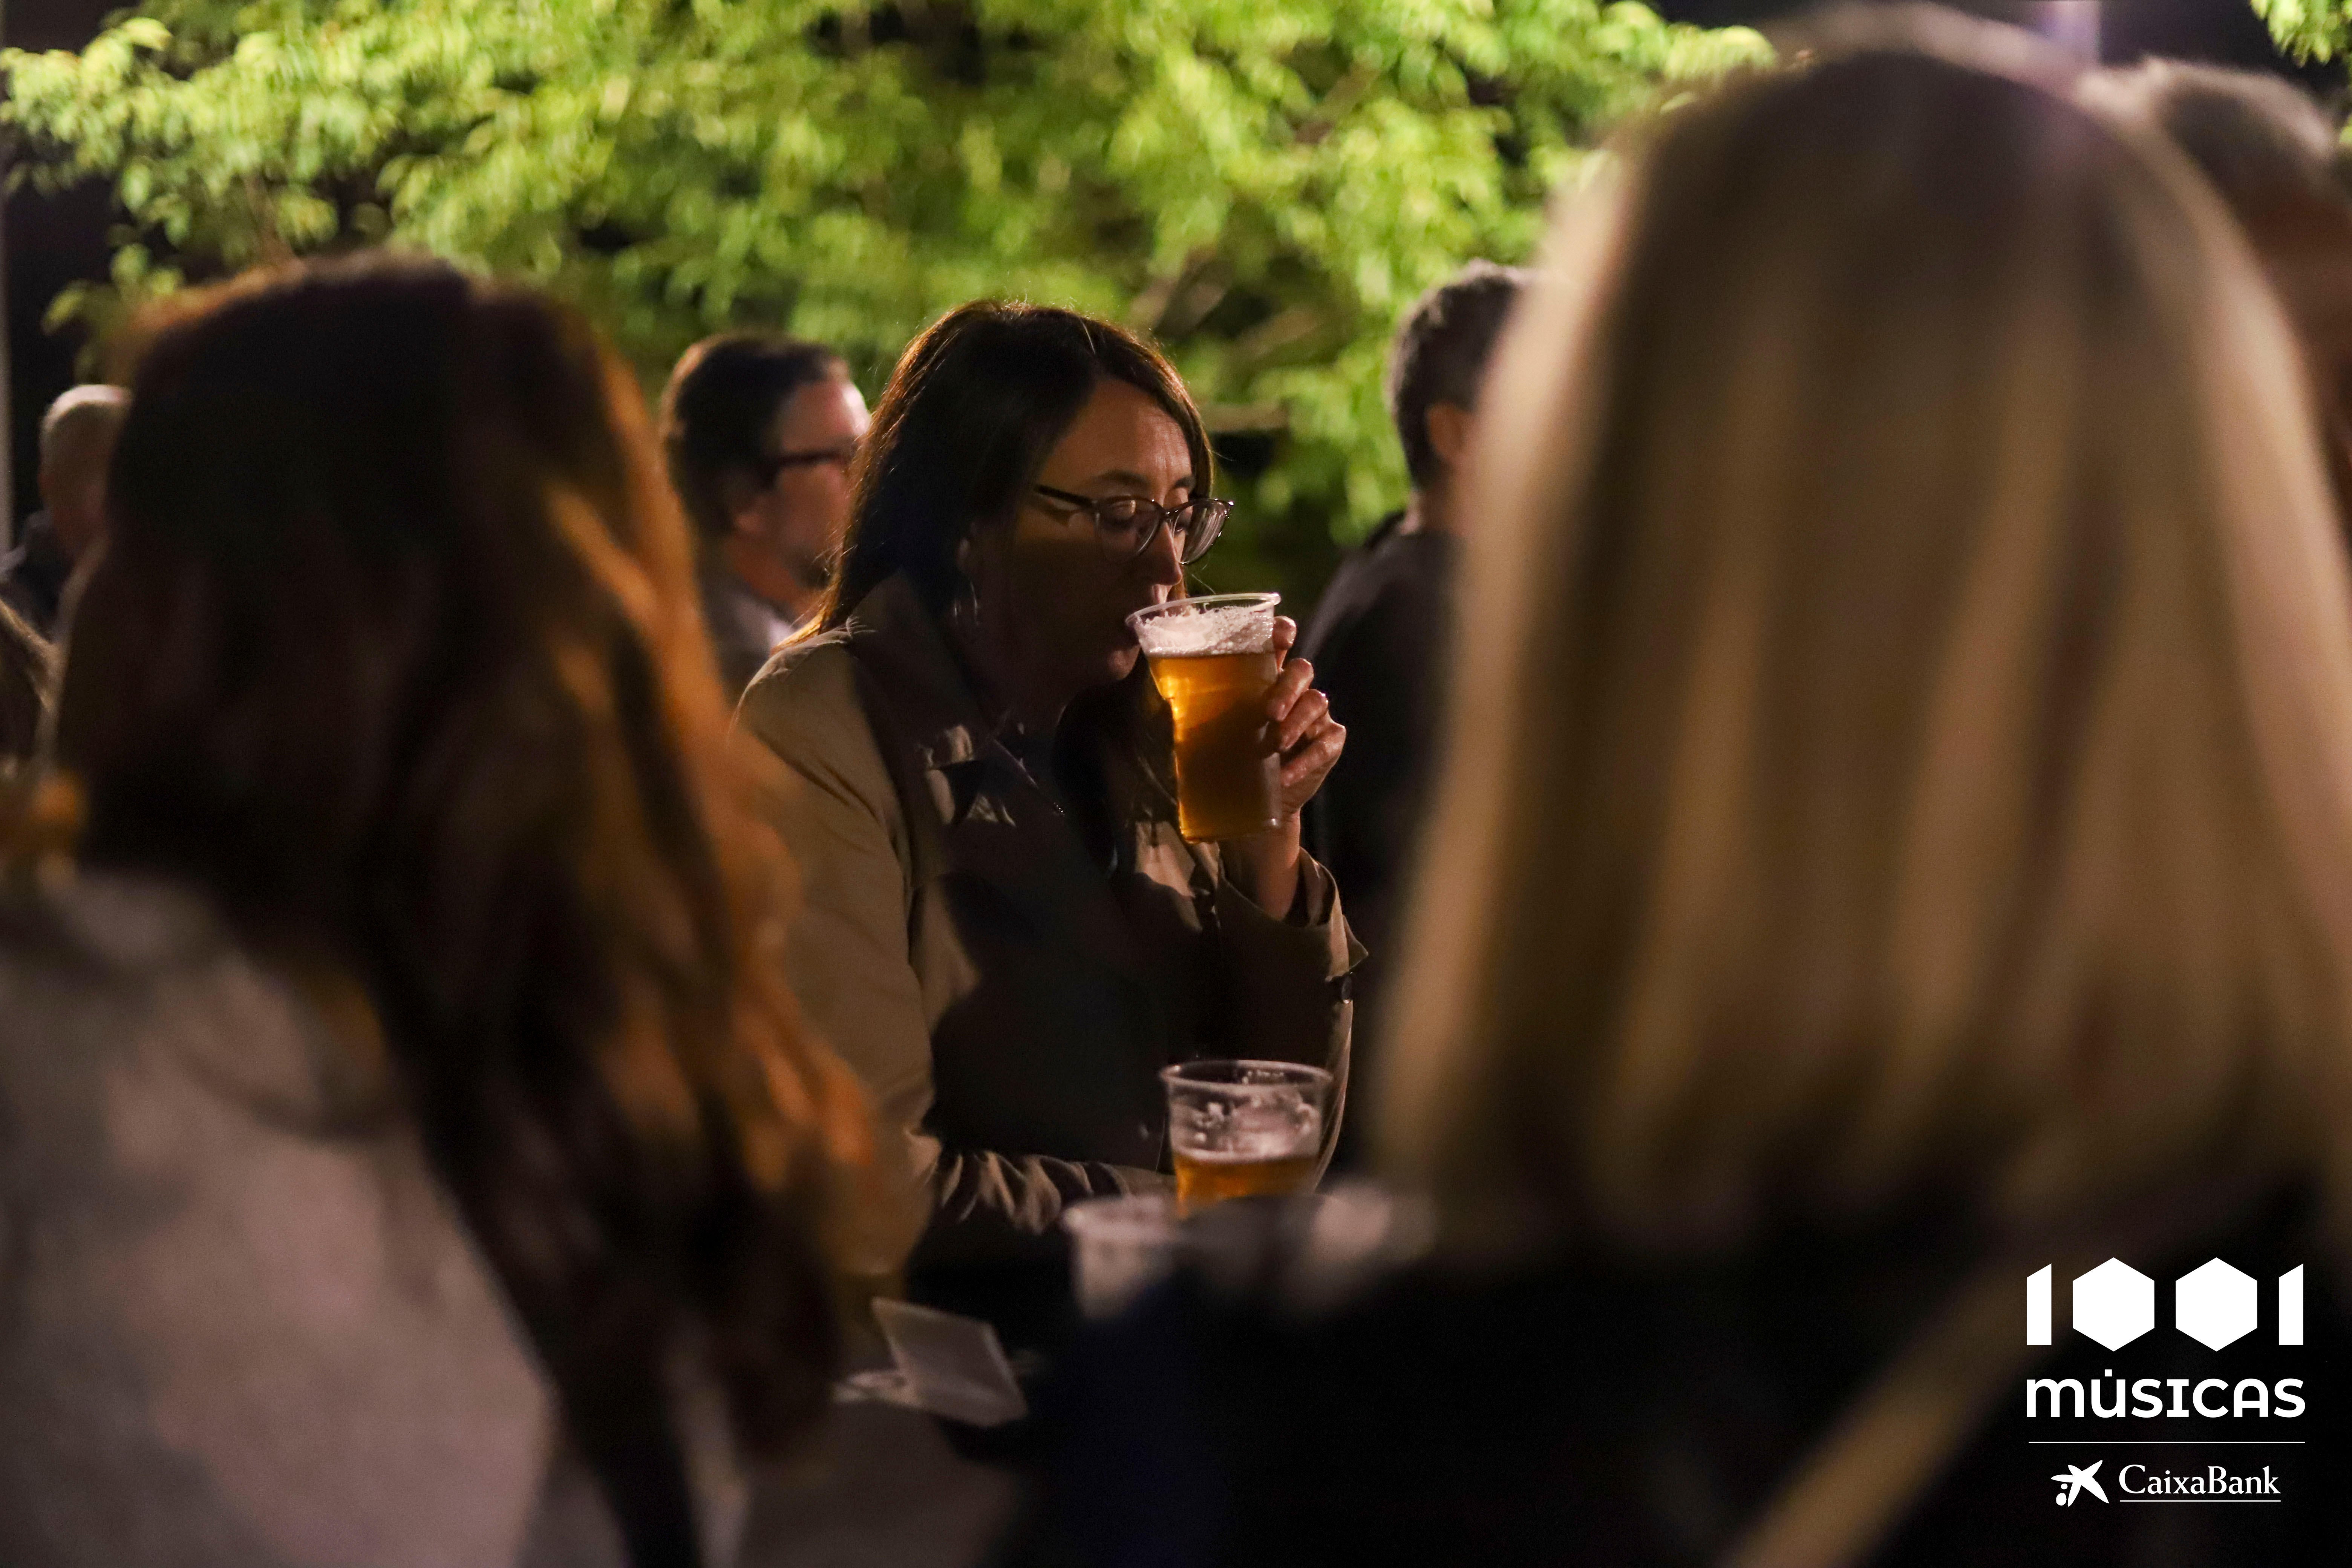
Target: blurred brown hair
(2274, 158)
(1905, 707)
(392, 650)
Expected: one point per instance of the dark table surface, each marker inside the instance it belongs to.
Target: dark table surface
(879, 1487)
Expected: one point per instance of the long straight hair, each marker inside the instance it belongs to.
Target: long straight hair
(1905, 719)
(392, 650)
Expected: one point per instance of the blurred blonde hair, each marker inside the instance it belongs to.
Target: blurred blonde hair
(1905, 706)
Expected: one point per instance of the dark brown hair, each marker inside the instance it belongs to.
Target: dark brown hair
(717, 411)
(973, 410)
(1441, 353)
(392, 650)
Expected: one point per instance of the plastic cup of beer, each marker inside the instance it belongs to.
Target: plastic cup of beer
(1213, 659)
(1244, 1129)
(1122, 1246)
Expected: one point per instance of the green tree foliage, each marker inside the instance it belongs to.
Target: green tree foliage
(2309, 30)
(1262, 183)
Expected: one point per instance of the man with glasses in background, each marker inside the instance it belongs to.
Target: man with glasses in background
(759, 432)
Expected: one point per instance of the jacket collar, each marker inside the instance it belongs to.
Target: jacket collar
(931, 695)
(993, 815)
(934, 703)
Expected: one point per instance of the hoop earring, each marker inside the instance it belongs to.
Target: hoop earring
(963, 610)
(963, 605)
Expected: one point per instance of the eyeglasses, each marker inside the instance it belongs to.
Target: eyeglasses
(1128, 524)
(769, 467)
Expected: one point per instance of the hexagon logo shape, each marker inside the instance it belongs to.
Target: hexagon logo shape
(2214, 1304)
(2115, 1303)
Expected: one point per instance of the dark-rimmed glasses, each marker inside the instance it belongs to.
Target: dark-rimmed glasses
(1128, 524)
(769, 467)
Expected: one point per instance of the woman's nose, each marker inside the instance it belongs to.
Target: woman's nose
(1161, 563)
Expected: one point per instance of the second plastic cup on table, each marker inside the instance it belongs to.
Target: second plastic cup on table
(1213, 659)
(1121, 1249)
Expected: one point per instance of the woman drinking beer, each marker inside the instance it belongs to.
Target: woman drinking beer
(1005, 930)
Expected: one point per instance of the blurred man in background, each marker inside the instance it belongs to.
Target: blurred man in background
(25, 678)
(77, 442)
(1380, 637)
(759, 432)
(2271, 152)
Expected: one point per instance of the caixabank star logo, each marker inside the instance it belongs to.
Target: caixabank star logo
(2163, 1420)
(2078, 1480)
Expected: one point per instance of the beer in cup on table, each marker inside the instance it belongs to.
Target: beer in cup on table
(1244, 1129)
(1213, 659)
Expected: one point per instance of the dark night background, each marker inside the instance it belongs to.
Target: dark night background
(50, 241)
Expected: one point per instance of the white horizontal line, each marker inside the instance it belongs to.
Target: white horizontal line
(2166, 1442)
(2201, 1499)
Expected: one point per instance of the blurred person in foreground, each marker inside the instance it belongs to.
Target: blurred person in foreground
(77, 440)
(414, 1155)
(1382, 633)
(1003, 930)
(2276, 160)
(759, 432)
(1897, 836)
(27, 667)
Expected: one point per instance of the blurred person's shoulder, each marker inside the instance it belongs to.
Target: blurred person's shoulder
(1397, 581)
(255, 1318)
(99, 967)
(143, 1044)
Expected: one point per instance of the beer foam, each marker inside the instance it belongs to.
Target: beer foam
(1230, 629)
(1298, 1144)
(1248, 1132)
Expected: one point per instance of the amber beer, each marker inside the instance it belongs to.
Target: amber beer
(1226, 771)
(1203, 1178)
(1244, 1129)
(1213, 661)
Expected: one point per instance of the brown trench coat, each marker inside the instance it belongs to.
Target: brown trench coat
(1007, 1001)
